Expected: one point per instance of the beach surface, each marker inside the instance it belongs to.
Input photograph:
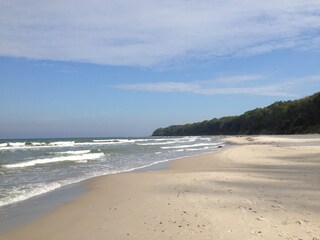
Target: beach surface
(263, 187)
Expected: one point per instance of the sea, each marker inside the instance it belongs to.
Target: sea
(32, 167)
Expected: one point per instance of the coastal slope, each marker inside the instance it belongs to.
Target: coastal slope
(258, 188)
(291, 117)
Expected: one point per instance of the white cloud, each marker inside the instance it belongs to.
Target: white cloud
(236, 79)
(220, 87)
(161, 87)
(268, 90)
(147, 33)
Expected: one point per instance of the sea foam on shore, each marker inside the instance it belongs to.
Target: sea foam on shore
(32, 167)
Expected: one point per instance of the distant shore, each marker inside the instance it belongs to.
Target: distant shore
(261, 187)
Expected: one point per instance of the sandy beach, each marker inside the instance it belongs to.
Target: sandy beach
(263, 187)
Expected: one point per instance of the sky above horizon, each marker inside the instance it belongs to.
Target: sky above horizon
(124, 68)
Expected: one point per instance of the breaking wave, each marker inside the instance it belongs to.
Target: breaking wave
(73, 158)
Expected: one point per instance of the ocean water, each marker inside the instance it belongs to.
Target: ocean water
(33, 167)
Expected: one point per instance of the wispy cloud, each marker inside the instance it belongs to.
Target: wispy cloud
(237, 79)
(218, 87)
(147, 33)
(161, 87)
(204, 90)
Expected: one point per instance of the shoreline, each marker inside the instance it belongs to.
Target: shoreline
(20, 213)
(214, 195)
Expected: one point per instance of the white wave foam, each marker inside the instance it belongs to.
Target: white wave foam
(108, 141)
(199, 149)
(97, 142)
(16, 144)
(39, 145)
(105, 142)
(178, 150)
(156, 143)
(28, 191)
(205, 139)
(117, 140)
(22, 193)
(78, 152)
(35, 145)
(192, 145)
(172, 141)
(76, 158)
(157, 139)
(23, 146)
(63, 143)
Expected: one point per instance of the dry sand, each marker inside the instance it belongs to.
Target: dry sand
(262, 188)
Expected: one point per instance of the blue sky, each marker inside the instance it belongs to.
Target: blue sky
(124, 68)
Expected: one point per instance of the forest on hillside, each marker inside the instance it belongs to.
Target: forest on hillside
(290, 117)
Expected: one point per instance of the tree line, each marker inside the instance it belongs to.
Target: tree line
(300, 116)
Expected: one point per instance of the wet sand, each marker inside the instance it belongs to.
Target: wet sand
(261, 188)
